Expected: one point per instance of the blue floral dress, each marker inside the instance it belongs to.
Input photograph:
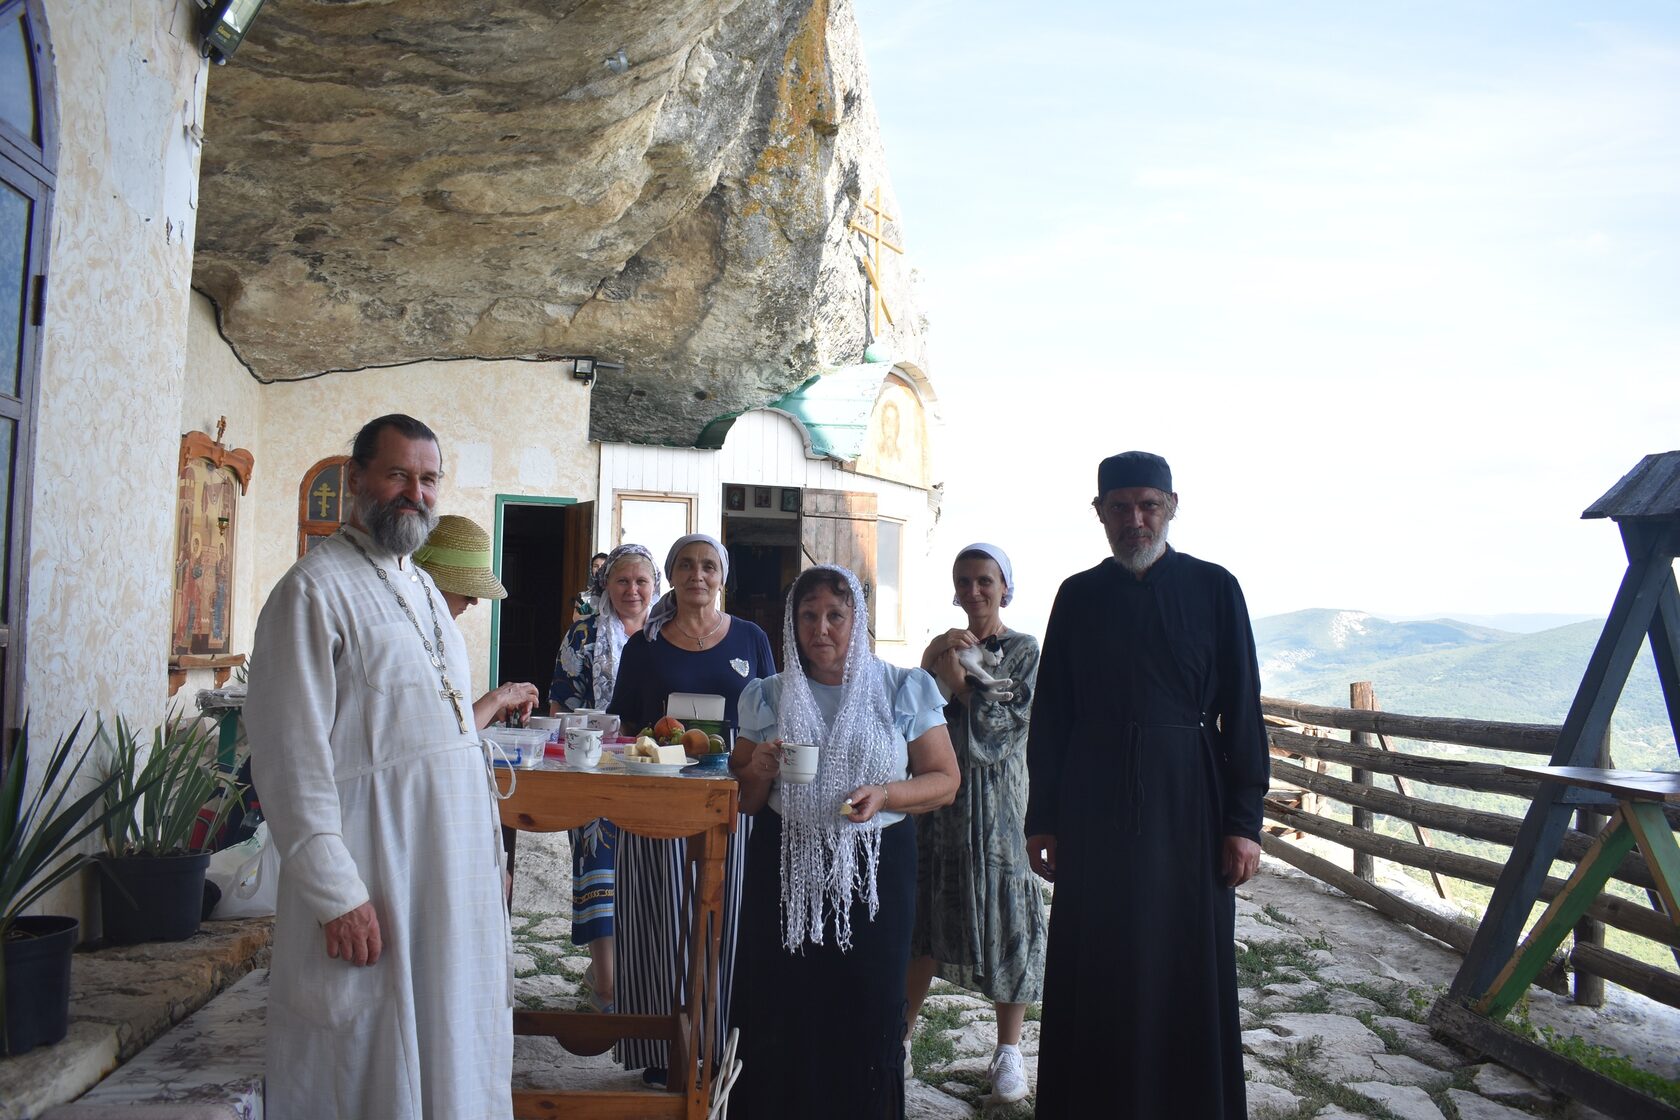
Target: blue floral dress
(595, 845)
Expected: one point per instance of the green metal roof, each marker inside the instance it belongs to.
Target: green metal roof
(832, 409)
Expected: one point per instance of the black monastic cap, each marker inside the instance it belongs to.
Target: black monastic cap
(1134, 468)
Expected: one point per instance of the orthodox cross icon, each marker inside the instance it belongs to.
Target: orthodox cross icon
(877, 237)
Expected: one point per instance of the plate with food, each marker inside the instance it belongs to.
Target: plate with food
(649, 756)
(651, 769)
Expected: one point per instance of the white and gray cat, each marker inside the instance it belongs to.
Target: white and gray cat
(978, 661)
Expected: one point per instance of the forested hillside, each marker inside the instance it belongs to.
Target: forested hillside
(1449, 668)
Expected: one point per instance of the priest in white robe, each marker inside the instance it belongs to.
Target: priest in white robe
(391, 984)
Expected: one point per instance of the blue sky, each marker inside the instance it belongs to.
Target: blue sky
(1395, 288)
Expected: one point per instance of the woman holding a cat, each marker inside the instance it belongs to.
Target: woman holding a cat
(980, 919)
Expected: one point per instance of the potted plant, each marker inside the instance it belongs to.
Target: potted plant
(39, 836)
(156, 854)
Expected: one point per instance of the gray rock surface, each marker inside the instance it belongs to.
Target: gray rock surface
(1470, 1106)
(1497, 1083)
(1407, 1102)
(412, 179)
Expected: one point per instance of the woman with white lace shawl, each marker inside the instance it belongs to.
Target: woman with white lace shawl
(829, 898)
(623, 589)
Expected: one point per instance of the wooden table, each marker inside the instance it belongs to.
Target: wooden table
(1637, 819)
(703, 811)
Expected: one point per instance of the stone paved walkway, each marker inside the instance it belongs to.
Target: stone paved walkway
(1332, 998)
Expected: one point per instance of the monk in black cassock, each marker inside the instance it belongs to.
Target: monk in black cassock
(1147, 764)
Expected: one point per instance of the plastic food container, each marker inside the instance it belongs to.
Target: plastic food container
(522, 745)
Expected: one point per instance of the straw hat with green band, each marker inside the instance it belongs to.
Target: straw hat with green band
(457, 555)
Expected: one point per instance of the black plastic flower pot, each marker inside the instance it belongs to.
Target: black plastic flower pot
(164, 899)
(37, 961)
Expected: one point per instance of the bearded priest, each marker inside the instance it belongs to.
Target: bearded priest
(391, 984)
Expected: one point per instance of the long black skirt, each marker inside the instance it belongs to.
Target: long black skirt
(821, 1030)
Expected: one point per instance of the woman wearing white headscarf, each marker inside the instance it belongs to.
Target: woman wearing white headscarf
(623, 588)
(979, 915)
(831, 865)
(687, 645)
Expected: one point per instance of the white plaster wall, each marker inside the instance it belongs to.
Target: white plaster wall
(129, 83)
(128, 80)
(505, 427)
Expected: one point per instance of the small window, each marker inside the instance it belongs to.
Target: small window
(322, 503)
(652, 520)
(889, 578)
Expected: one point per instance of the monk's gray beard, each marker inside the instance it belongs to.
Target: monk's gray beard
(1141, 560)
(393, 530)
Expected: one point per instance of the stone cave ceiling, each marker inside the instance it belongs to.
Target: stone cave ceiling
(664, 184)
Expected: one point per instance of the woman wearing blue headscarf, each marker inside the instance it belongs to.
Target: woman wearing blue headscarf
(688, 645)
(621, 593)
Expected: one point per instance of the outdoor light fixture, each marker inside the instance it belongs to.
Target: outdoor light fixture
(584, 367)
(222, 26)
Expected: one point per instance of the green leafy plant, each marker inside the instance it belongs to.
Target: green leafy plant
(41, 831)
(175, 783)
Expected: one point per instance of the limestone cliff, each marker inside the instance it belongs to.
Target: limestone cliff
(665, 184)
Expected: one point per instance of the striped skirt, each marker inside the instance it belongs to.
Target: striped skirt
(649, 920)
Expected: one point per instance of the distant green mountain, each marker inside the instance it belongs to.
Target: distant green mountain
(1447, 668)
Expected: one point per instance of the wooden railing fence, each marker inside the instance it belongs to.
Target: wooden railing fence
(1302, 751)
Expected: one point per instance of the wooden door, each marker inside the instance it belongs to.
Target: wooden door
(578, 525)
(838, 527)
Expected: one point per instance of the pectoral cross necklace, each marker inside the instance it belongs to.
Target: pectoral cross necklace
(434, 654)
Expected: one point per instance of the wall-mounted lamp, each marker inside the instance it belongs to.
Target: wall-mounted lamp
(584, 367)
(222, 26)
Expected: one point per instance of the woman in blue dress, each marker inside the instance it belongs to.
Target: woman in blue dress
(623, 588)
(830, 894)
(687, 645)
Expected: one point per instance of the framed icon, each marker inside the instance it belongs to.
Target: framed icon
(735, 497)
(761, 497)
(790, 501)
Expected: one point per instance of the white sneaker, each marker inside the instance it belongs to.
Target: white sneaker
(1008, 1074)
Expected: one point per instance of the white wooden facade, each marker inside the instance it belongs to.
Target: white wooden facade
(763, 449)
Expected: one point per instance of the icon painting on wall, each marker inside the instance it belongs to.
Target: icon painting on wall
(208, 486)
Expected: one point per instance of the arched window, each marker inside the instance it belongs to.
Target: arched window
(322, 506)
(28, 146)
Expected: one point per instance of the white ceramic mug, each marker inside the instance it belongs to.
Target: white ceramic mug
(603, 722)
(799, 763)
(583, 747)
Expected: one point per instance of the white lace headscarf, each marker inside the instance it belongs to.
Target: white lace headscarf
(666, 609)
(827, 860)
(610, 634)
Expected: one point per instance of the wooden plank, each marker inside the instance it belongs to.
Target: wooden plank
(588, 1033)
(1496, 828)
(1650, 831)
(598, 1105)
(1481, 776)
(1624, 785)
(1524, 738)
(1453, 1020)
(1363, 697)
(539, 805)
(1636, 976)
(1609, 908)
(1404, 788)
(1567, 908)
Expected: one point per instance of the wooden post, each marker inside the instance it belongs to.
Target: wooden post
(1362, 695)
(1587, 987)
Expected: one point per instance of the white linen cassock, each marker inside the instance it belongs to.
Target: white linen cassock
(372, 791)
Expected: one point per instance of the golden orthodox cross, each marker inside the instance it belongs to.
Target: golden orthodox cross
(323, 492)
(877, 236)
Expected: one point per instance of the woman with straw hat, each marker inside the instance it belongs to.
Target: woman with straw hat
(457, 557)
